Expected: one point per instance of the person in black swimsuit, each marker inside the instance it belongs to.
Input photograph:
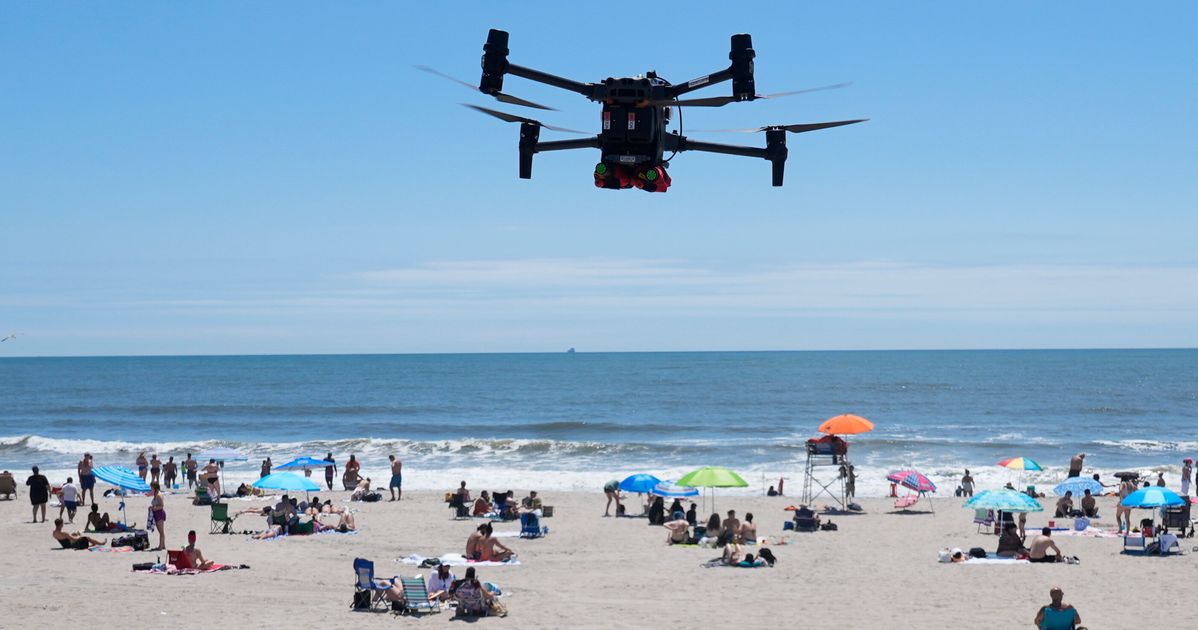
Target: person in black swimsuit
(39, 493)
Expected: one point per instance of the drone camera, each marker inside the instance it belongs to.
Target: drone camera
(494, 62)
(742, 55)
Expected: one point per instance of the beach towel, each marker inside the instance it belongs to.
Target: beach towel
(458, 560)
(171, 570)
(111, 549)
(333, 532)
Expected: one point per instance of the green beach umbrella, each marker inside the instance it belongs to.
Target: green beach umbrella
(712, 477)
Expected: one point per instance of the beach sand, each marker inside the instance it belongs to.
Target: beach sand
(879, 570)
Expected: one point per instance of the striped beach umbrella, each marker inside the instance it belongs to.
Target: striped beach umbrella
(911, 479)
(1004, 501)
(671, 490)
(1078, 486)
(1020, 463)
(121, 477)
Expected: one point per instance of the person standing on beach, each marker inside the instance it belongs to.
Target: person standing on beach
(87, 480)
(967, 484)
(212, 476)
(155, 467)
(1122, 513)
(351, 476)
(170, 470)
(69, 494)
(266, 465)
(189, 466)
(1160, 480)
(612, 490)
(396, 485)
(158, 514)
(1075, 465)
(850, 483)
(39, 493)
(141, 465)
(1187, 472)
(330, 471)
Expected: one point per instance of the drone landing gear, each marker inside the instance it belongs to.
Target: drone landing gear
(618, 177)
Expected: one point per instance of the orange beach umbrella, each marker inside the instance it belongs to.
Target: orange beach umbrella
(846, 424)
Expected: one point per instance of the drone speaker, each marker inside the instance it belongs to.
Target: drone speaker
(742, 66)
(494, 62)
(775, 152)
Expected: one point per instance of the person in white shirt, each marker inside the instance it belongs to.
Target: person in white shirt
(439, 583)
(70, 499)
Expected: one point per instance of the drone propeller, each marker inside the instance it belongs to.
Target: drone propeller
(506, 117)
(499, 96)
(802, 128)
(720, 101)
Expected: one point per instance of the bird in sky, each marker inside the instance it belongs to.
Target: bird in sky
(12, 336)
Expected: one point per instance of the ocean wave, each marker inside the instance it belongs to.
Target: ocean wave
(1150, 446)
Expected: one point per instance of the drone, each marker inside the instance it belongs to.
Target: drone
(636, 113)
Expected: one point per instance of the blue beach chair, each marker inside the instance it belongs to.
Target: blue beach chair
(530, 525)
(367, 586)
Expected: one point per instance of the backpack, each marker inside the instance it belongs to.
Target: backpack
(361, 600)
(829, 527)
(372, 497)
(977, 552)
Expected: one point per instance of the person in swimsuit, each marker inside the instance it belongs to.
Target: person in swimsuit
(1122, 513)
(1038, 550)
(87, 481)
(158, 512)
(141, 466)
(1057, 615)
(170, 470)
(189, 468)
(351, 476)
(195, 557)
(266, 466)
(155, 467)
(967, 484)
(677, 529)
(1075, 465)
(330, 471)
(1187, 473)
(212, 476)
(69, 494)
(39, 493)
(396, 485)
(72, 541)
(474, 542)
(748, 530)
(612, 490)
(493, 550)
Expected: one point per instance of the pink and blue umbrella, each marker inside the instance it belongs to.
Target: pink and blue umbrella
(912, 479)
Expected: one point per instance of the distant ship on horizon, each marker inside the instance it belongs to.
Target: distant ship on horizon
(570, 351)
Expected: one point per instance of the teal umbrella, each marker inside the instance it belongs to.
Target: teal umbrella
(286, 481)
(1153, 497)
(1003, 501)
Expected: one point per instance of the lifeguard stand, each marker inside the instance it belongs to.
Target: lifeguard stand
(826, 457)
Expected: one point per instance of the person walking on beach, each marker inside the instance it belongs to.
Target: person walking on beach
(396, 485)
(1075, 465)
(170, 470)
(141, 465)
(189, 467)
(87, 480)
(155, 467)
(330, 471)
(967, 484)
(1123, 513)
(1058, 615)
(157, 514)
(212, 477)
(1187, 472)
(39, 493)
(266, 466)
(69, 494)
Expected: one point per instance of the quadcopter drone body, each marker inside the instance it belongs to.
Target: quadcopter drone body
(636, 113)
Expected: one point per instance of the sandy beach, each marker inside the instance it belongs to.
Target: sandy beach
(879, 570)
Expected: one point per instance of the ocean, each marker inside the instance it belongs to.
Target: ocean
(573, 421)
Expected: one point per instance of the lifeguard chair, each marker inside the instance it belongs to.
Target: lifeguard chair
(827, 457)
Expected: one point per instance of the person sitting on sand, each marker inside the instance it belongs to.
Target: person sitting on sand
(1058, 615)
(713, 527)
(440, 582)
(1009, 543)
(1065, 505)
(360, 492)
(657, 511)
(482, 505)
(748, 530)
(677, 529)
(691, 516)
(1089, 505)
(730, 527)
(1038, 551)
(194, 556)
(97, 522)
(771, 492)
(493, 550)
(474, 542)
(676, 506)
(73, 541)
(471, 596)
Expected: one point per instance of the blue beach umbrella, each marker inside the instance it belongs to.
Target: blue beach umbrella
(121, 477)
(1152, 497)
(668, 489)
(1003, 501)
(286, 481)
(1078, 486)
(639, 483)
(303, 463)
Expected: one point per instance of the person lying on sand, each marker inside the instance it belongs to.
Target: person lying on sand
(271, 531)
(344, 524)
(361, 490)
(73, 541)
(731, 554)
(195, 557)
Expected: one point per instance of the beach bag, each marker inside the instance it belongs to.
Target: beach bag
(977, 552)
(373, 497)
(829, 527)
(143, 566)
(361, 600)
(139, 541)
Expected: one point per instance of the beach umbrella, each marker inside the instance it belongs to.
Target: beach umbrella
(911, 479)
(303, 463)
(121, 477)
(846, 424)
(672, 490)
(1152, 497)
(1004, 501)
(1020, 463)
(639, 483)
(712, 477)
(286, 481)
(1078, 486)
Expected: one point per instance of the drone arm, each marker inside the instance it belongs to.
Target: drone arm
(699, 82)
(774, 151)
(550, 79)
(740, 72)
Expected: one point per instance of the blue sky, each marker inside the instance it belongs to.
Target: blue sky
(277, 178)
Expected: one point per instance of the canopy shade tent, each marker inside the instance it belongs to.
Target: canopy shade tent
(640, 483)
(846, 424)
(286, 481)
(121, 477)
(1078, 486)
(1004, 501)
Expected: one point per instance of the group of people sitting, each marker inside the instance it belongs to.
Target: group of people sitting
(1065, 509)
(1012, 545)
(482, 546)
(501, 505)
(284, 517)
(716, 532)
(470, 596)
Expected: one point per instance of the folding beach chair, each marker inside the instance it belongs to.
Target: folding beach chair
(905, 502)
(367, 586)
(1134, 543)
(1177, 519)
(220, 522)
(530, 525)
(805, 521)
(178, 559)
(415, 595)
(984, 518)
